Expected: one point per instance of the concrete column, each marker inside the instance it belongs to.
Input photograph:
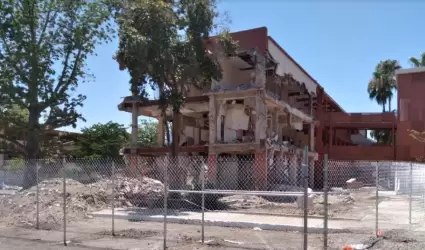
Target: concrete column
(134, 124)
(260, 71)
(134, 137)
(133, 163)
(312, 138)
(260, 117)
(212, 120)
(311, 171)
(161, 132)
(196, 136)
(275, 120)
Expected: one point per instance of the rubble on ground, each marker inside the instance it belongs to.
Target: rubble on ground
(252, 203)
(81, 200)
(9, 187)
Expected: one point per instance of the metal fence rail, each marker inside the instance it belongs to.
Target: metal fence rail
(296, 190)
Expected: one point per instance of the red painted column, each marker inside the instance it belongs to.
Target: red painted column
(393, 142)
(133, 165)
(212, 167)
(260, 170)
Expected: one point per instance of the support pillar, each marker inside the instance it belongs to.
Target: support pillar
(275, 120)
(331, 139)
(318, 141)
(260, 117)
(311, 138)
(161, 132)
(133, 163)
(393, 142)
(260, 170)
(212, 168)
(212, 120)
(212, 156)
(134, 135)
(134, 124)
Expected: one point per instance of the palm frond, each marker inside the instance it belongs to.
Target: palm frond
(416, 63)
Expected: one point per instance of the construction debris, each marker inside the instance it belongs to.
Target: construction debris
(81, 200)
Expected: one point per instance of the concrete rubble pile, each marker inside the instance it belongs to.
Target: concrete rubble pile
(20, 208)
(144, 192)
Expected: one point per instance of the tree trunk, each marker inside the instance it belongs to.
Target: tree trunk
(176, 133)
(32, 147)
(177, 174)
(389, 105)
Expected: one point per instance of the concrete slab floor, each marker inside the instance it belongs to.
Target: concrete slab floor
(238, 220)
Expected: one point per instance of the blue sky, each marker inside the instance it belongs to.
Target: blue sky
(338, 42)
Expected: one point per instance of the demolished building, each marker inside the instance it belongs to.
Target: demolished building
(252, 125)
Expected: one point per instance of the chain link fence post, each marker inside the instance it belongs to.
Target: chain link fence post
(113, 196)
(325, 201)
(410, 193)
(203, 202)
(305, 184)
(64, 201)
(377, 199)
(37, 194)
(166, 162)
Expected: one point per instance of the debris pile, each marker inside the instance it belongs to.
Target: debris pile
(9, 187)
(21, 207)
(130, 191)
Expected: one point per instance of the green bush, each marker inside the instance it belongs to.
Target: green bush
(15, 165)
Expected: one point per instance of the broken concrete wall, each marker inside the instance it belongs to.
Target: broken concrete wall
(232, 75)
(236, 120)
(299, 138)
(232, 120)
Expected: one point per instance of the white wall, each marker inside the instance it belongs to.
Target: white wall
(286, 65)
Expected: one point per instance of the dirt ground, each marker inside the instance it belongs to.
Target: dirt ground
(96, 234)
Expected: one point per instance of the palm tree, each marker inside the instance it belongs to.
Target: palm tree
(377, 91)
(383, 83)
(380, 89)
(418, 62)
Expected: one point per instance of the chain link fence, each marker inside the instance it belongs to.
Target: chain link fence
(277, 192)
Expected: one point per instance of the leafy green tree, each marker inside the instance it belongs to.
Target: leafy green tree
(380, 89)
(147, 133)
(102, 141)
(162, 45)
(43, 49)
(418, 62)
